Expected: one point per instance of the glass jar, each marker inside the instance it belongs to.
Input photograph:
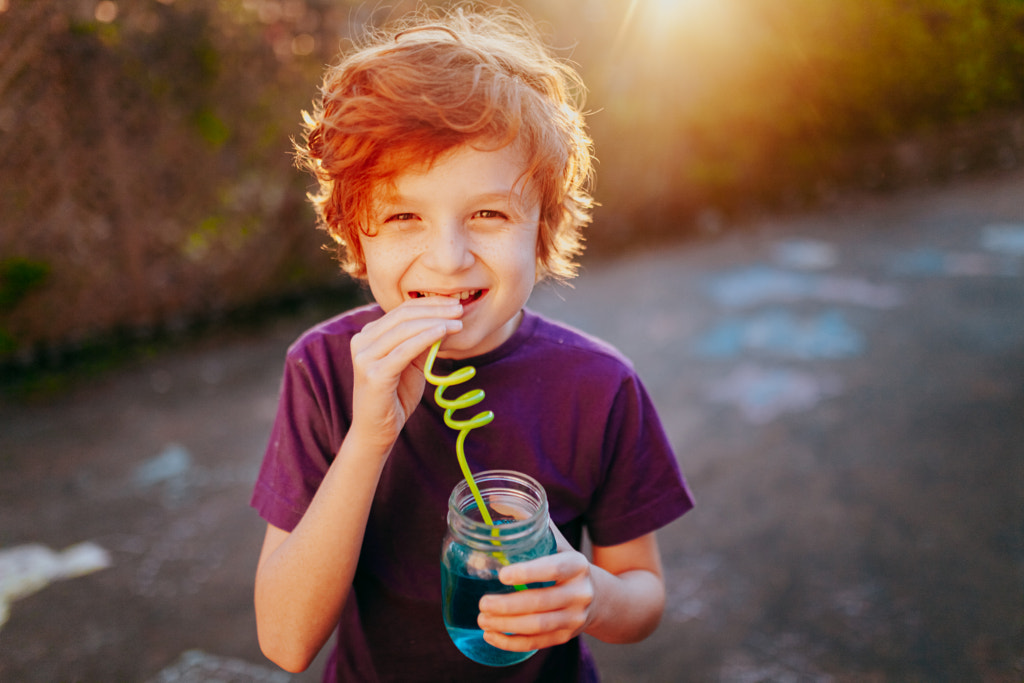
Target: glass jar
(473, 552)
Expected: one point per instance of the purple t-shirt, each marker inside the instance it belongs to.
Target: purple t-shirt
(569, 411)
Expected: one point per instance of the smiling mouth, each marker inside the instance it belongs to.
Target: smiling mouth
(466, 297)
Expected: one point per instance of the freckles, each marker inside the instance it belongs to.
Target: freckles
(385, 257)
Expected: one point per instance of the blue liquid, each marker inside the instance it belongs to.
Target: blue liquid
(461, 593)
(461, 607)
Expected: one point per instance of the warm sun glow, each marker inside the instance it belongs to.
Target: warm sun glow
(656, 22)
(669, 9)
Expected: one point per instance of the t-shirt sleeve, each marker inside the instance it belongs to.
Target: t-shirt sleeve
(300, 448)
(643, 488)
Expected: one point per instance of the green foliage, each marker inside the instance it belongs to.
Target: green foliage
(8, 344)
(213, 129)
(18, 278)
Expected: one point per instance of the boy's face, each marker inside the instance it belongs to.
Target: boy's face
(458, 228)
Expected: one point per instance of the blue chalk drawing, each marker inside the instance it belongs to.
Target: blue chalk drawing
(805, 254)
(171, 472)
(171, 464)
(782, 333)
(762, 394)
(922, 261)
(760, 284)
(1005, 238)
(932, 262)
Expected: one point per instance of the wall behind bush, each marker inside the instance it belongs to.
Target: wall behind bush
(146, 166)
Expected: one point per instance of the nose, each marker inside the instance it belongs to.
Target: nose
(449, 248)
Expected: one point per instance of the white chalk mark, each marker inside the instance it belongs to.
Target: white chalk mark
(196, 666)
(27, 569)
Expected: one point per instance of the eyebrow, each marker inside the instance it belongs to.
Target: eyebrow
(496, 196)
(393, 199)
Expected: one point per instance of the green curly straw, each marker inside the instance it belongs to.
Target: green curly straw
(466, 400)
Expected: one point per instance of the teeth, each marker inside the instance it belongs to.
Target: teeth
(461, 296)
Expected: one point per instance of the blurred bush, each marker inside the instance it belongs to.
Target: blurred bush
(146, 178)
(711, 108)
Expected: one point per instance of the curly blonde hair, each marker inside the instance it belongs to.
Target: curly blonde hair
(434, 82)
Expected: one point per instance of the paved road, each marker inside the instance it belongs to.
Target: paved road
(845, 391)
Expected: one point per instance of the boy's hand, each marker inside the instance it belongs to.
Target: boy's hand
(541, 617)
(618, 598)
(387, 359)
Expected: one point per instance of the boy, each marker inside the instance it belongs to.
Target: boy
(452, 165)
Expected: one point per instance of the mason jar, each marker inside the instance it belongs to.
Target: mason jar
(473, 552)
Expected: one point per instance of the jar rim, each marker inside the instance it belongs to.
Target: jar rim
(516, 485)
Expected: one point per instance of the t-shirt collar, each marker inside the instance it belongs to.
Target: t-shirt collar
(527, 325)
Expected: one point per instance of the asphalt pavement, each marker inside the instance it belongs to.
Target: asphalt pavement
(844, 389)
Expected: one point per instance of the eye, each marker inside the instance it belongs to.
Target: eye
(490, 213)
(399, 217)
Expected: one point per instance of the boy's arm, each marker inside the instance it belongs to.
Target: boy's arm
(303, 577)
(632, 612)
(617, 598)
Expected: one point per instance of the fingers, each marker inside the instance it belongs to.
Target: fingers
(540, 617)
(386, 385)
(407, 331)
(560, 567)
(518, 636)
(572, 587)
(550, 616)
(384, 348)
